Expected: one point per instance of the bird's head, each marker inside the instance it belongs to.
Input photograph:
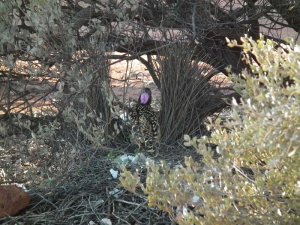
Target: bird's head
(145, 97)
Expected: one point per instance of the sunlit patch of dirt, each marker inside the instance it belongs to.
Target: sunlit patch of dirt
(129, 77)
(27, 88)
(30, 161)
(31, 96)
(23, 160)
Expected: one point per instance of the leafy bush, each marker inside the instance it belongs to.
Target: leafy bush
(257, 179)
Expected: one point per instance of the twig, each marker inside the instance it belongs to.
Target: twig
(130, 203)
(46, 200)
(243, 174)
(119, 218)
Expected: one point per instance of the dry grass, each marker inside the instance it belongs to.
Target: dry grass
(71, 186)
(188, 93)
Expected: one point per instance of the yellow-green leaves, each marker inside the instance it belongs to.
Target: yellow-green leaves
(129, 181)
(256, 179)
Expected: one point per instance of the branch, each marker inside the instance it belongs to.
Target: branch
(151, 70)
(290, 11)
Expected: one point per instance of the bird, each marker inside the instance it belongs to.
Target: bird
(145, 121)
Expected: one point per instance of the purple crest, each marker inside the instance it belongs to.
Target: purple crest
(144, 98)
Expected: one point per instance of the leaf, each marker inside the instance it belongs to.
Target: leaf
(186, 137)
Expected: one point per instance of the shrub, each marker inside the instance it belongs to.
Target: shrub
(188, 94)
(257, 179)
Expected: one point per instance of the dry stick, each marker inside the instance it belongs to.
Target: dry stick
(109, 211)
(125, 86)
(151, 70)
(136, 220)
(133, 54)
(46, 200)
(243, 174)
(92, 208)
(1, 97)
(138, 206)
(193, 21)
(129, 203)
(119, 218)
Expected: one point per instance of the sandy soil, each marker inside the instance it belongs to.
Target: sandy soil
(129, 77)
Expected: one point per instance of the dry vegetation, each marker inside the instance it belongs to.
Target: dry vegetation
(70, 69)
(65, 167)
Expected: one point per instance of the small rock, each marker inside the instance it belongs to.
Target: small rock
(114, 173)
(106, 221)
(12, 200)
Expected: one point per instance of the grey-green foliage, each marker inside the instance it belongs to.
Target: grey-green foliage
(42, 34)
(38, 15)
(257, 179)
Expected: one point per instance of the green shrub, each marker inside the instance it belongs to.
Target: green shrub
(257, 178)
